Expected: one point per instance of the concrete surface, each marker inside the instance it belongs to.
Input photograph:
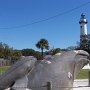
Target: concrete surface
(82, 83)
(60, 70)
(77, 83)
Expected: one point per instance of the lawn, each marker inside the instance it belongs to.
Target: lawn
(83, 74)
(3, 69)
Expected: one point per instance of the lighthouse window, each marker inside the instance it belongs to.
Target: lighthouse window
(81, 26)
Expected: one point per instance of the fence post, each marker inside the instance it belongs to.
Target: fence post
(89, 78)
(49, 86)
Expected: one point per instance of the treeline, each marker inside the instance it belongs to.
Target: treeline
(31, 52)
(7, 52)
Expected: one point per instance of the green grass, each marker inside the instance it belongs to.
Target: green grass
(83, 74)
(3, 69)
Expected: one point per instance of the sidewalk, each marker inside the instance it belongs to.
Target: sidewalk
(77, 83)
(82, 83)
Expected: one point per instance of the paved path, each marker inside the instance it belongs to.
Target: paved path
(77, 83)
(83, 82)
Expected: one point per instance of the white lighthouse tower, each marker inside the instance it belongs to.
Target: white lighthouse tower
(83, 25)
(84, 36)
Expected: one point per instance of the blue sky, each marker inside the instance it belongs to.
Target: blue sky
(61, 32)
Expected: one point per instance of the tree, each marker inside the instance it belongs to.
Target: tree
(57, 50)
(16, 55)
(1, 50)
(38, 55)
(4, 51)
(28, 52)
(53, 51)
(42, 44)
(9, 53)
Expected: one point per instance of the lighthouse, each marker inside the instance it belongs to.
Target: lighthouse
(83, 25)
(84, 36)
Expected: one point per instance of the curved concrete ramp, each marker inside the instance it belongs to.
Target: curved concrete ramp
(17, 71)
(61, 70)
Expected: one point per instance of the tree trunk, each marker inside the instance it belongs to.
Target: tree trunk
(42, 52)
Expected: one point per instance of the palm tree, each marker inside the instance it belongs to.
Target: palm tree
(42, 44)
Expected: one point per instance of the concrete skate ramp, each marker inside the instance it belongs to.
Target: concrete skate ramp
(18, 70)
(61, 70)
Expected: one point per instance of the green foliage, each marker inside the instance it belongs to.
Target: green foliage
(38, 55)
(53, 51)
(31, 52)
(16, 55)
(8, 53)
(83, 74)
(3, 69)
(84, 43)
(4, 51)
(28, 52)
(42, 44)
(57, 50)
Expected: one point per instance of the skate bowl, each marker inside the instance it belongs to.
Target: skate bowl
(55, 72)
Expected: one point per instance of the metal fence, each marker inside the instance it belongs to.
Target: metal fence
(4, 62)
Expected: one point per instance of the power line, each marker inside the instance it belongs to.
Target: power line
(49, 18)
